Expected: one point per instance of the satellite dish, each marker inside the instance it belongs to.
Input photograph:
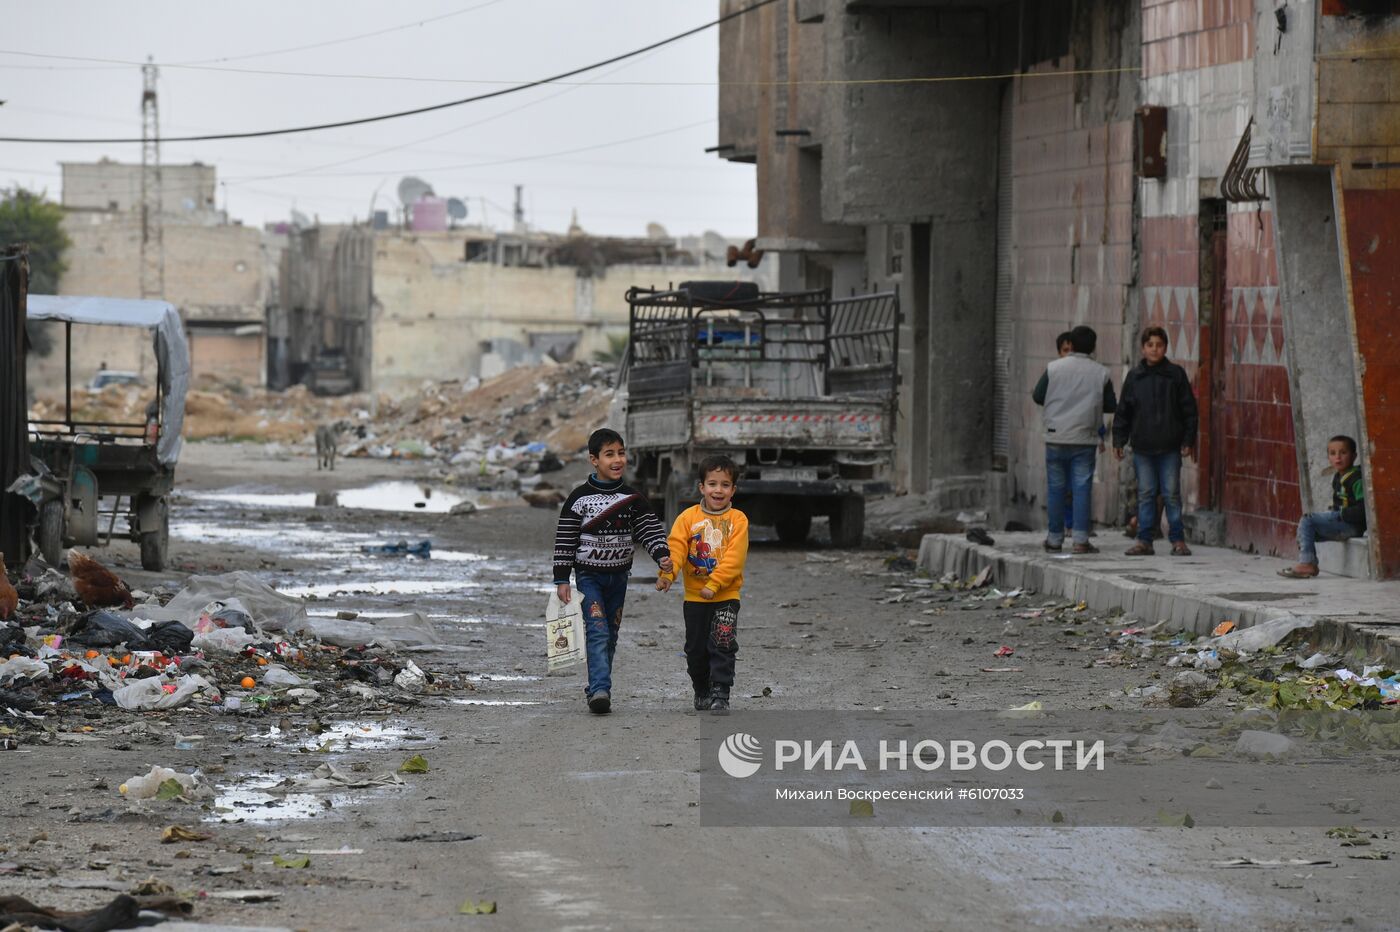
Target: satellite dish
(300, 220)
(456, 208)
(411, 189)
(656, 231)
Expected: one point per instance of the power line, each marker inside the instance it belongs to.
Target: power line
(810, 82)
(417, 110)
(356, 38)
(410, 144)
(501, 161)
(110, 63)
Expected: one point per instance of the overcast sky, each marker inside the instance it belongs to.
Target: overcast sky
(477, 45)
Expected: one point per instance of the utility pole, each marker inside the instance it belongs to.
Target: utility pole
(152, 242)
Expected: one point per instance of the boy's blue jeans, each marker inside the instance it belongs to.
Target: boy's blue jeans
(601, 595)
(1321, 525)
(1069, 467)
(1159, 474)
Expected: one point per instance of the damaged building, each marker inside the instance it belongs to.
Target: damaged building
(386, 309)
(1224, 169)
(215, 271)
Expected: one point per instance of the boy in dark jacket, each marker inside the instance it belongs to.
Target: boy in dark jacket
(1157, 415)
(1347, 518)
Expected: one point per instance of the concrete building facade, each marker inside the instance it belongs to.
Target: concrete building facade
(215, 272)
(404, 307)
(1221, 168)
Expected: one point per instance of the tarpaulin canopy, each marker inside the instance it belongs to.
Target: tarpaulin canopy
(172, 349)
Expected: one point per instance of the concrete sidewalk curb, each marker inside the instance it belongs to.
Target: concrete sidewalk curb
(1190, 610)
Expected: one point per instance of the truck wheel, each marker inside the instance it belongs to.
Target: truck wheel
(794, 526)
(51, 532)
(155, 544)
(848, 522)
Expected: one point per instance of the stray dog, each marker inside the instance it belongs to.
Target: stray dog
(327, 436)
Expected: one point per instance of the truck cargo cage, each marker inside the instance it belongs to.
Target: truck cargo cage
(687, 341)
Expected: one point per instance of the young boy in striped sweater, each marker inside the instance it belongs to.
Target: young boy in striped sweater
(598, 525)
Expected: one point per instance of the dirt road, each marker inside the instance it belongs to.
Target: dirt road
(567, 820)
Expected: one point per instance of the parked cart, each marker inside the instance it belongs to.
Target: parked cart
(88, 475)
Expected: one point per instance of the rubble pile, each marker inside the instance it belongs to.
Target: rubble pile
(250, 651)
(553, 405)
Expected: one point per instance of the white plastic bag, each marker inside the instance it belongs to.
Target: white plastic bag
(149, 693)
(563, 631)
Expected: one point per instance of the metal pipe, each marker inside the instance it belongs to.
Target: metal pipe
(68, 371)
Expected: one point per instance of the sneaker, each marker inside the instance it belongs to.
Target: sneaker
(718, 705)
(600, 703)
(702, 702)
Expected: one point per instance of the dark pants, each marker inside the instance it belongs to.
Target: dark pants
(602, 595)
(710, 645)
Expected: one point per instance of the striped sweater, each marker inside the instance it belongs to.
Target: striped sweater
(597, 527)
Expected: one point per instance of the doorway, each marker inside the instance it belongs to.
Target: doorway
(1210, 388)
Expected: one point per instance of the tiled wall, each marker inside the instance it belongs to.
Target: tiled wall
(1198, 62)
(1261, 499)
(1183, 35)
(1073, 231)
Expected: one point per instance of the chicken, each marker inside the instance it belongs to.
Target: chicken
(9, 598)
(97, 586)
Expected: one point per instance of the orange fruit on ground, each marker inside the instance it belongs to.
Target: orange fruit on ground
(248, 682)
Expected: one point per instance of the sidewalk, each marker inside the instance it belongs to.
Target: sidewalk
(1195, 593)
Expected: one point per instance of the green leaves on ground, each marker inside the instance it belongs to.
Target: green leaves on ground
(477, 908)
(294, 863)
(415, 764)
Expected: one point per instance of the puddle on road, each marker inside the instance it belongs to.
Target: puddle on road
(382, 496)
(344, 736)
(249, 801)
(381, 587)
(506, 702)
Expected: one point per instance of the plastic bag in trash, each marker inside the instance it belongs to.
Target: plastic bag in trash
(170, 636)
(11, 639)
(22, 668)
(147, 785)
(151, 692)
(278, 675)
(104, 628)
(411, 678)
(223, 641)
(220, 614)
(270, 609)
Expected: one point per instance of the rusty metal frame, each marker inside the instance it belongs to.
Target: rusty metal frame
(1240, 184)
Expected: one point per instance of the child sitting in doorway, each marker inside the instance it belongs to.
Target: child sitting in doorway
(1346, 520)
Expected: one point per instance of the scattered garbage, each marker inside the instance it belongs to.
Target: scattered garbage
(178, 834)
(422, 548)
(1263, 744)
(148, 786)
(278, 675)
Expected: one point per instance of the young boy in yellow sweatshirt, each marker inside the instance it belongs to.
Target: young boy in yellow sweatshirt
(709, 543)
